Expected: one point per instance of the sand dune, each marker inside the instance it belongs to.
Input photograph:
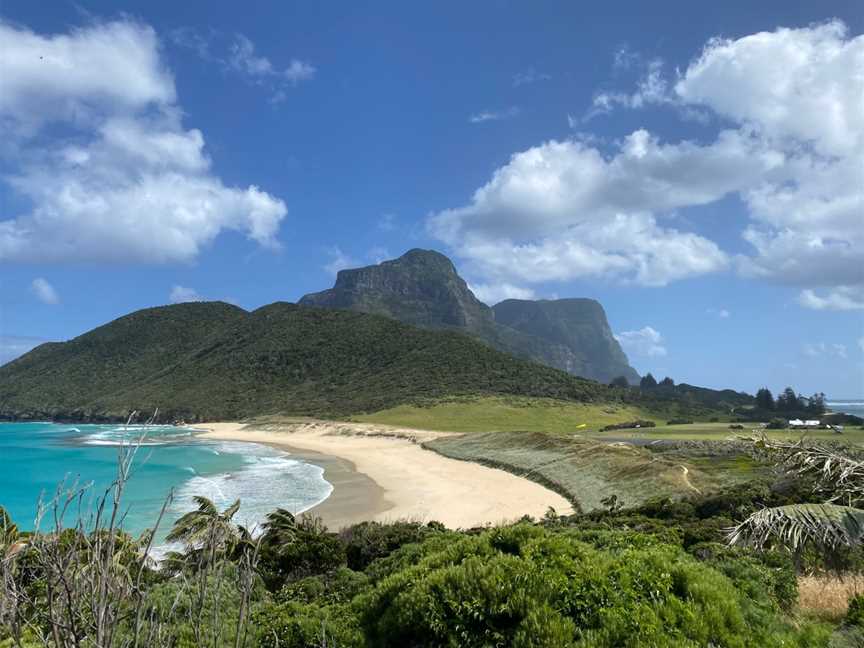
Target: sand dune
(404, 480)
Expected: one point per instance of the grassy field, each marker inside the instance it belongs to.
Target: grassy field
(512, 414)
(586, 472)
(508, 414)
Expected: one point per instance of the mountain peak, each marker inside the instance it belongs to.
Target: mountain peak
(423, 288)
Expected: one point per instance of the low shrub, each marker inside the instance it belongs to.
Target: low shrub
(855, 613)
(369, 541)
(628, 425)
(305, 625)
(777, 424)
(679, 421)
(736, 426)
(524, 586)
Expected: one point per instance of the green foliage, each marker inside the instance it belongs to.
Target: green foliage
(369, 541)
(628, 425)
(777, 424)
(648, 381)
(765, 399)
(306, 625)
(216, 361)
(311, 549)
(855, 613)
(521, 586)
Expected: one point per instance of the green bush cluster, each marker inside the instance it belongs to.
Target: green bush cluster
(657, 575)
(628, 425)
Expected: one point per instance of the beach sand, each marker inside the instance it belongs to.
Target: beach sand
(382, 473)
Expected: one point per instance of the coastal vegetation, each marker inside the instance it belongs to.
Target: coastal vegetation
(214, 361)
(658, 574)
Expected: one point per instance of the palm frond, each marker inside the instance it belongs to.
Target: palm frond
(837, 474)
(825, 526)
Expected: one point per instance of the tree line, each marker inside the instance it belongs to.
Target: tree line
(790, 401)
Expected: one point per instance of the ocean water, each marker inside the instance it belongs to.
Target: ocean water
(37, 457)
(849, 406)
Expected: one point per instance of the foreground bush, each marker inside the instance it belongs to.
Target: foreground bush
(523, 586)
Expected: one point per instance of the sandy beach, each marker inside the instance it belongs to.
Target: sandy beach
(382, 473)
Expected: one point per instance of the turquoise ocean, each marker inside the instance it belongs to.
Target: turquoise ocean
(36, 458)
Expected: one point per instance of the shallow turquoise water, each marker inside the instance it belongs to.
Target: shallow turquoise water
(36, 457)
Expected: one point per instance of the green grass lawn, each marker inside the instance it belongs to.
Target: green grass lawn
(505, 414)
(511, 414)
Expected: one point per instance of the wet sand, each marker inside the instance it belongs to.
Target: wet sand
(383, 473)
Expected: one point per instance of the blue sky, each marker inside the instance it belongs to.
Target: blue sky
(707, 192)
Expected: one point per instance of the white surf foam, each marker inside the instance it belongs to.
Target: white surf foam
(268, 479)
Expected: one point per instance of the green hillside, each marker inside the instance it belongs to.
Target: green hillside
(201, 361)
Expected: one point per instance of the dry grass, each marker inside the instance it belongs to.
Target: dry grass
(826, 597)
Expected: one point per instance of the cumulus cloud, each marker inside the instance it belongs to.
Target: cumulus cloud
(130, 183)
(839, 298)
(494, 115)
(645, 342)
(491, 294)
(722, 313)
(790, 102)
(181, 294)
(44, 291)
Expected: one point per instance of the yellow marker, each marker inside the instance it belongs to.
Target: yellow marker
(581, 425)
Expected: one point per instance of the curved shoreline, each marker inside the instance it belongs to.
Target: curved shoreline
(382, 473)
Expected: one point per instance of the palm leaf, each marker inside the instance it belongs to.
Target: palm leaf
(826, 526)
(836, 473)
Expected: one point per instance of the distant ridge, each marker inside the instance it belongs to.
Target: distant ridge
(423, 288)
(210, 361)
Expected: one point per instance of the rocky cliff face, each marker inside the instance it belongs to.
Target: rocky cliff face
(579, 325)
(423, 288)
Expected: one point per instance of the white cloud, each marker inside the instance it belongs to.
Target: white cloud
(298, 71)
(80, 76)
(652, 88)
(242, 59)
(182, 294)
(722, 313)
(13, 346)
(494, 115)
(823, 350)
(130, 183)
(791, 102)
(491, 294)
(861, 343)
(799, 91)
(44, 291)
(839, 298)
(339, 261)
(644, 342)
(529, 76)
